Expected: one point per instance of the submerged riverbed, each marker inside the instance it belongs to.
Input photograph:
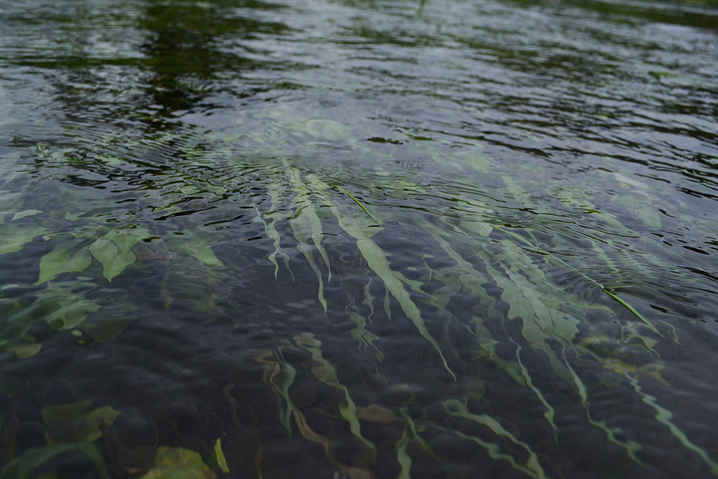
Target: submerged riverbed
(356, 239)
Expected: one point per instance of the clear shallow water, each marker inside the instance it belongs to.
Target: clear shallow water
(535, 296)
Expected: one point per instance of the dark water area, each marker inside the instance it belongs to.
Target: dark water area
(358, 239)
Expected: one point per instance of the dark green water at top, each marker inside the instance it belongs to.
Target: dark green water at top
(525, 285)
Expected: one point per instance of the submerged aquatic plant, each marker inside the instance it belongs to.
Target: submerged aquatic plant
(486, 295)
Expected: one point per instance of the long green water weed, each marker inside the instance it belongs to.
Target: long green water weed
(357, 202)
(378, 262)
(325, 372)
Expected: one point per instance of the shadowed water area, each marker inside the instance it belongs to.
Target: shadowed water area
(358, 239)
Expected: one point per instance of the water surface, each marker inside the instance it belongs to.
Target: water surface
(358, 239)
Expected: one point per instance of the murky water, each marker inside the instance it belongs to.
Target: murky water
(359, 239)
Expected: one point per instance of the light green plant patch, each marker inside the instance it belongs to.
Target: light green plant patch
(114, 249)
(178, 463)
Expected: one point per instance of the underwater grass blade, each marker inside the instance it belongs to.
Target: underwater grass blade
(258, 218)
(275, 195)
(219, 456)
(522, 195)
(541, 317)
(288, 382)
(494, 452)
(631, 447)
(378, 262)
(472, 280)
(302, 228)
(606, 291)
(364, 337)
(271, 371)
(487, 346)
(402, 457)
(387, 305)
(327, 373)
(559, 262)
(664, 416)
(358, 202)
(305, 224)
(309, 434)
(550, 411)
(317, 233)
(368, 300)
(631, 309)
(306, 250)
(404, 412)
(459, 409)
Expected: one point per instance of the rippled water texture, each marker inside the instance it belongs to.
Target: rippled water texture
(355, 239)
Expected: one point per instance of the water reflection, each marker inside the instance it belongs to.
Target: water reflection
(191, 45)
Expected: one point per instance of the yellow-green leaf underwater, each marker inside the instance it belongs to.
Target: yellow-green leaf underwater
(219, 456)
(24, 351)
(178, 463)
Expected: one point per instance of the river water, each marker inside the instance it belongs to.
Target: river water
(358, 238)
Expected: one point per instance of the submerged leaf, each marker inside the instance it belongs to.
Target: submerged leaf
(13, 238)
(106, 325)
(24, 351)
(178, 463)
(24, 466)
(61, 260)
(71, 313)
(23, 214)
(200, 247)
(189, 280)
(69, 307)
(76, 422)
(114, 250)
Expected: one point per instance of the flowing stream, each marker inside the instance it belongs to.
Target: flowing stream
(358, 239)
